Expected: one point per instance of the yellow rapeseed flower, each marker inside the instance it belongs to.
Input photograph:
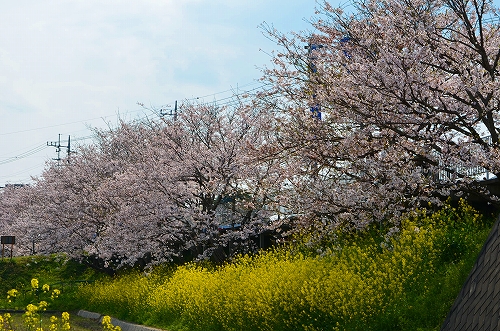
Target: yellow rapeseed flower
(31, 308)
(106, 320)
(42, 305)
(108, 326)
(12, 293)
(34, 283)
(355, 280)
(55, 294)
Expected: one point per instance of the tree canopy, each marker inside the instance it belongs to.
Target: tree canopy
(409, 92)
(390, 105)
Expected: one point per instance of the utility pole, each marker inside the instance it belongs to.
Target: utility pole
(57, 145)
(172, 112)
(316, 107)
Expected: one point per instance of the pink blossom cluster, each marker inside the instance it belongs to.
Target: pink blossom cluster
(410, 97)
(152, 191)
(409, 101)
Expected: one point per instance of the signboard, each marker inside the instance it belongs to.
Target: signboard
(8, 240)
(11, 240)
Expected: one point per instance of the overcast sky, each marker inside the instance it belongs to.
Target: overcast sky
(66, 66)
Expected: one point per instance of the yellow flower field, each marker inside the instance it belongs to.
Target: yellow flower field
(366, 283)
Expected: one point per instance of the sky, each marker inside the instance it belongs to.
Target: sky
(69, 66)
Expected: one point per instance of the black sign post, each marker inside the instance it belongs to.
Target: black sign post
(6, 240)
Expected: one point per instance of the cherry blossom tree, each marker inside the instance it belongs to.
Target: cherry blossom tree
(156, 190)
(15, 209)
(392, 104)
(409, 95)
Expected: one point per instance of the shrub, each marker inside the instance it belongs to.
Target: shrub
(32, 315)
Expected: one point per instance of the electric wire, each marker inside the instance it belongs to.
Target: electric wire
(232, 100)
(217, 93)
(22, 171)
(24, 154)
(63, 124)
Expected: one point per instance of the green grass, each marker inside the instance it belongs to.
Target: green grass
(54, 270)
(77, 323)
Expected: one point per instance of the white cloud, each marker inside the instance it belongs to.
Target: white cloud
(65, 62)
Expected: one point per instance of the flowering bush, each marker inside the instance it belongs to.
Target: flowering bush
(11, 295)
(5, 322)
(363, 281)
(32, 316)
(108, 326)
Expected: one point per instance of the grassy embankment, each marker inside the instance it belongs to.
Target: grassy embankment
(56, 271)
(77, 323)
(359, 281)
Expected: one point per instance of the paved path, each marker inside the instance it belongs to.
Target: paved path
(116, 322)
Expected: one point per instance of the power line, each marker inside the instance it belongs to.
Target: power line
(23, 171)
(226, 101)
(108, 116)
(23, 155)
(37, 149)
(234, 99)
(62, 124)
(230, 90)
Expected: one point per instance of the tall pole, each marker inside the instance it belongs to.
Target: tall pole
(172, 113)
(316, 107)
(68, 150)
(57, 145)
